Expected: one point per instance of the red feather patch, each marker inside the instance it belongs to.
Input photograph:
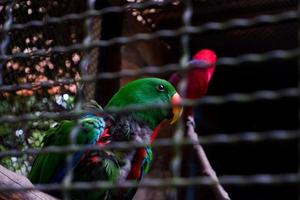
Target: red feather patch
(139, 157)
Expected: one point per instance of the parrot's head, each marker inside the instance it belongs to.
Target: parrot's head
(149, 91)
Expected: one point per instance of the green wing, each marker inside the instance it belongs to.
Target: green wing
(51, 166)
(45, 165)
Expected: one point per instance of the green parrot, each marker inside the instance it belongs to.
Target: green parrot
(133, 126)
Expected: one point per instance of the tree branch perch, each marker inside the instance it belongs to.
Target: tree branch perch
(9, 179)
(206, 168)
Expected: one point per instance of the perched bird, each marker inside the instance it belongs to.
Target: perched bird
(133, 126)
(136, 126)
(201, 69)
(196, 163)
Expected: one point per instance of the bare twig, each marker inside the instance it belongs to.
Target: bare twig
(206, 168)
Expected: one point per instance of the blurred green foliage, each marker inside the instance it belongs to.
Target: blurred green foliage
(36, 69)
(23, 135)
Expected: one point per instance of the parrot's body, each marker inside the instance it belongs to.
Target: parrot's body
(114, 165)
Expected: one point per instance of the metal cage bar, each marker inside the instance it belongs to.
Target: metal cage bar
(177, 142)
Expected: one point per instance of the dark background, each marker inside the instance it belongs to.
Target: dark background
(252, 158)
(268, 157)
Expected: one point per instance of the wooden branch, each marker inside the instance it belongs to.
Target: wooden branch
(9, 179)
(206, 168)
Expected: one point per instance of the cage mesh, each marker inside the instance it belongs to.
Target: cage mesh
(55, 55)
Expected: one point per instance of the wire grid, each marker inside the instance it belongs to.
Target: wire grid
(184, 33)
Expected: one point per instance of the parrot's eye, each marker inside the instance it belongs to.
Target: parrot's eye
(160, 88)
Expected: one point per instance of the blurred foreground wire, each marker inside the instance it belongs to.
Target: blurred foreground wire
(10, 30)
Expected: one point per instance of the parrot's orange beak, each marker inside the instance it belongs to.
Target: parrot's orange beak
(176, 108)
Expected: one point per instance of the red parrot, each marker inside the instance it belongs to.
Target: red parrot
(197, 79)
(203, 66)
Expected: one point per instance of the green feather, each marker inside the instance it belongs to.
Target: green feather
(147, 161)
(46, 165)
(111, 169)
